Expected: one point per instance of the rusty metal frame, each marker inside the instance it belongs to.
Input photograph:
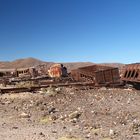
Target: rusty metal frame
(97, 74)
(131, 73)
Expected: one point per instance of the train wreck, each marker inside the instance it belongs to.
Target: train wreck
(57, 71)
(57, 75)
(131, 75)
(99, 75)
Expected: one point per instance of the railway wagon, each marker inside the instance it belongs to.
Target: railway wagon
(131, 74)
(57, 71)
(98, 74)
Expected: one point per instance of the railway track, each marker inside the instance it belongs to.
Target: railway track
(36, 88)
(56, 84)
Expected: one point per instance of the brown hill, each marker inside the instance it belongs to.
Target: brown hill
(30, 62)
(118, 65)
(21, 63)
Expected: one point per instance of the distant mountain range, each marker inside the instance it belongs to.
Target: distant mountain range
(32, 62)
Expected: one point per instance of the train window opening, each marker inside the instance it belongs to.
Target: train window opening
(1, 74)
(125, 74)
(129, 73)
(137, 74)
(132, 75)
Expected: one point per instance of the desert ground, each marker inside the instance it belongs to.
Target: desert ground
(71, 114)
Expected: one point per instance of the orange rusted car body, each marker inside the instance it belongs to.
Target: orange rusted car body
(57, 71)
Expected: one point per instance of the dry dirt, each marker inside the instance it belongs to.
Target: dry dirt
(71, 114)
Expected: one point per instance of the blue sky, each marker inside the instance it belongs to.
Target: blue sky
(70, 30)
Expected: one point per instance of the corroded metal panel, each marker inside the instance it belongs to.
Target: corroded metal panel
(131, 73)
(97, 74)
(57, 71)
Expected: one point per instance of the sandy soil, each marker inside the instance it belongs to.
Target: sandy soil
(71, 114)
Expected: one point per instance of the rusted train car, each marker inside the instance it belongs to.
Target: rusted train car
(131, 74)
(57, 71)
(98, 74)
(6, 72)
(26, 72)
(22, 72)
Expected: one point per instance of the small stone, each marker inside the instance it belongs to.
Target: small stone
(64, 127)
(74, 120)
(111, 132)
(41, 134)
(58, 89)
(129, 100)
(54, 131)
(54, 117)
(75, 114)
(88, 136)
(52, 110)
(14, 127)
(24, 115)
(71, 93)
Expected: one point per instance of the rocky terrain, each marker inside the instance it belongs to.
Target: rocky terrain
(71, 114)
